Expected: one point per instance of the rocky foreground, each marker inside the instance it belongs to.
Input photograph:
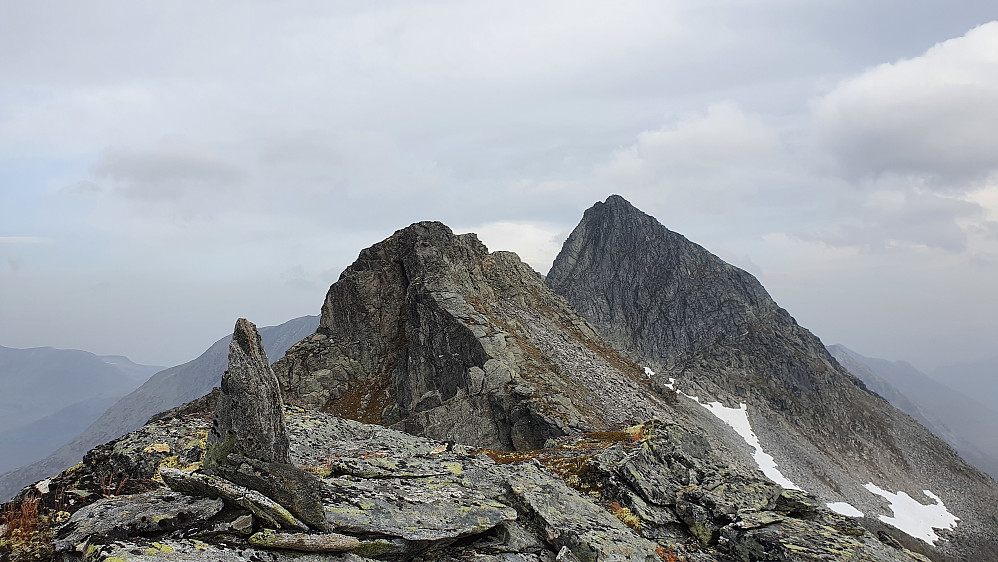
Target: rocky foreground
(318, 487)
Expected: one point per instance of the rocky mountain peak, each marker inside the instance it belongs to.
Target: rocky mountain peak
(621, 268)
(429, 332)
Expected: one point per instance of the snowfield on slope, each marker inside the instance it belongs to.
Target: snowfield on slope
(914, 518)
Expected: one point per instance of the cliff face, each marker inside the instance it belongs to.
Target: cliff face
(430, 333)
(712, 327)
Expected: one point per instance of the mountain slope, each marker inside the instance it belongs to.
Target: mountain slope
(692, 317)
(966, 424)
(38, 382)
(166, 389)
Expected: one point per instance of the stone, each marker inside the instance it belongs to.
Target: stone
(291, 487)
(324, 542)
(123, 516)
(249, 416)
(269, 511)
(570, 521)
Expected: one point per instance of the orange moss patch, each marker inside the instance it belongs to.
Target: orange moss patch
(364, 402)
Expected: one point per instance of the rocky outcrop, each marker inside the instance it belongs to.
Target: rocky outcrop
(430, 333)
(655, 491)
(249, 419)
(711, 326)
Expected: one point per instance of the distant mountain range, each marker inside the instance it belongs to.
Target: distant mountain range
(969, 425)
(106, 418)
(49, 394)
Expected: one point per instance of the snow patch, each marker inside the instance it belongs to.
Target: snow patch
(914, 518)
(737, 418)
(843, 508)
(649, 372)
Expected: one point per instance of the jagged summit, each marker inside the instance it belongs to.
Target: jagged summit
(429, 332)
(620, 268)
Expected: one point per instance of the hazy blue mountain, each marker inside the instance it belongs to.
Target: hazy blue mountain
(967, 424)
(164, 390)
(979, 378)
(28, 443)
(40, 381)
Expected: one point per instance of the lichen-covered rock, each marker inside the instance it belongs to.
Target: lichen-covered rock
(419, 509)
(249, 417)
(305, 542)
(215, 487)
(193, 550)
(122, 516)
(569, 520)
(291, 487)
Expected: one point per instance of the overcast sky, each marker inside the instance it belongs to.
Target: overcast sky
(167, 167)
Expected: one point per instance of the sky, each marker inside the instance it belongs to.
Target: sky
(168, 167)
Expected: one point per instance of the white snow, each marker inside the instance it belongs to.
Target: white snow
(737, 418)
(843, 508)
(649, 372)
(914, 518)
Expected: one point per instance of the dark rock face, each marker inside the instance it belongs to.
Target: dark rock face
(249, 417)
(678, 308)
(430, 333)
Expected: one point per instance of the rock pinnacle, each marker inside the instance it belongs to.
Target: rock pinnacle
(249, 418)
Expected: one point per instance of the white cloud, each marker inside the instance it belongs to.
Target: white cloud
(723, 135)
(935, 114)
(537, 244)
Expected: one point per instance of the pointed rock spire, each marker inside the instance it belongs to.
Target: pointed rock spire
(249, 417)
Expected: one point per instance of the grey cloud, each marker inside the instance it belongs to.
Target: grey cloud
(932, 116)
(166, 173)
(896, 219)
(82, 188)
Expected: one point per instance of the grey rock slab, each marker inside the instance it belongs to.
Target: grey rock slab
(430, 508)
(249, 416)
(571, 520)
(306, 542)
(189, 550)
(123, 516)
(269, 511)
(288, 485)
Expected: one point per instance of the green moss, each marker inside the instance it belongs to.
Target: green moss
(454, 468)
(217, 452)
(372, 549)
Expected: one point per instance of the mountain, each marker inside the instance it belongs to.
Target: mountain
(38, 382)
(646, 401)
(49, 394)
(166, 389)
(968, 425)
(979, 378)
(712, 327)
